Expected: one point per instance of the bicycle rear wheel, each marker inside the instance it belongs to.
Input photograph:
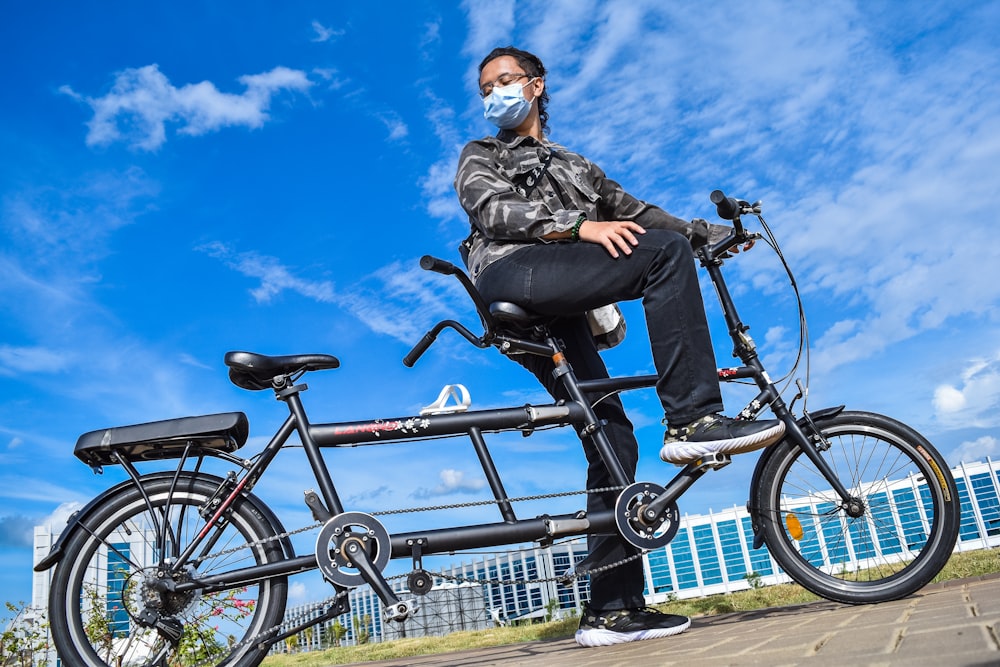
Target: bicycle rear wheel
(109, 576)
(891, 541)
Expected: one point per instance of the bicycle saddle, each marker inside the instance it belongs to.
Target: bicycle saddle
(513, 314)
(252, 371)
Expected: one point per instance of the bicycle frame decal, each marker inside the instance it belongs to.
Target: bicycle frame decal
(409, 426)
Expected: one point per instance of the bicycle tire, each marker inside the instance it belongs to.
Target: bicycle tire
(97, 586)
(906, 532)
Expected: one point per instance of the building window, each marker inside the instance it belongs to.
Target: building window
(732, 550)
(118, 570)
(760, 560)
(708, 556)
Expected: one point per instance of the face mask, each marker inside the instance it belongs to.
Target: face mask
(506, 107)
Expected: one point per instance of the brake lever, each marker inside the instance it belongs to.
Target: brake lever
(744, 245)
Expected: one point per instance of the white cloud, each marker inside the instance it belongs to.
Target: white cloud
(52, 226)
(452, 481)
(442, 204)
(976, 450)
(976, 398)
(947, 399)
(324, 34)
(142, 101)
(15, 360)
(274, 276)
(399, 300)
(297, 592)
(491, 23)
(57, 520)
(397, 128)
(402, 301)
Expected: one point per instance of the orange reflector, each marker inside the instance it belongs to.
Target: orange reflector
(794, 526)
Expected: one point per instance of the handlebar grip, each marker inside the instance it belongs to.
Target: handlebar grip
(429, 263)
(726, 207)
(419, 348)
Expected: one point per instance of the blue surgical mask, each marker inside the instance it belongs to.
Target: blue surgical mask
(506, 107)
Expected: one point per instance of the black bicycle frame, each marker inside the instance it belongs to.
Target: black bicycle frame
(577, 412)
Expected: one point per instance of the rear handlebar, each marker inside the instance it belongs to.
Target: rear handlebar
(430, 263)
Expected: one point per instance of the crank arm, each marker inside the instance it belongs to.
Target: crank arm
(683, 481)
(395, 610)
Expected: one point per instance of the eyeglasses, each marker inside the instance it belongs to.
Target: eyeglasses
(503, 80)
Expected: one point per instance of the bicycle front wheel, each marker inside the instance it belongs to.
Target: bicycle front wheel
(892, 538)
(109, 582)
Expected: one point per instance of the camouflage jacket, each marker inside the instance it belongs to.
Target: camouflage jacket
(509, 206)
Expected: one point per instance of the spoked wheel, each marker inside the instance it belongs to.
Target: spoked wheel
(115, 601)
(889, 539)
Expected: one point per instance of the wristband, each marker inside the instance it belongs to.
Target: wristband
(574, 234)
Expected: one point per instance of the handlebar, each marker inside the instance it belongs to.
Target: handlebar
(727, 207)
(419, 349)
(429, 263)
(730, 208)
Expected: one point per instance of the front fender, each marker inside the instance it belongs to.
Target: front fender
(73, 524)
(803, 422)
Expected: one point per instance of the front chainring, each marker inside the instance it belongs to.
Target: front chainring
(634, 528)
(342, 529)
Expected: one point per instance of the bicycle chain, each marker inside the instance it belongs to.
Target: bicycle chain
(563, 579)
(411, 510)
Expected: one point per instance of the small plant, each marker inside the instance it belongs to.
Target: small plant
(754, 579)
(24, 636)
(362, 633)
(550, 609)
(338, 631)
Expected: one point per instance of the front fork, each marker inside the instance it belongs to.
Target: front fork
(745, 349)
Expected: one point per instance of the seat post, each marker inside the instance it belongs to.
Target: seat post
(510, 314)
(593, 429)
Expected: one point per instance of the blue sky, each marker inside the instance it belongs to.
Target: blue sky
(179, 181)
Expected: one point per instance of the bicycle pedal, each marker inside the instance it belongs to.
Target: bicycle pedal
(400, 611)
(712, 461)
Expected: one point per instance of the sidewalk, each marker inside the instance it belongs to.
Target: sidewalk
(952, 623)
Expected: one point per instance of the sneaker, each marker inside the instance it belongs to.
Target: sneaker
(627, 625)
(715, 434)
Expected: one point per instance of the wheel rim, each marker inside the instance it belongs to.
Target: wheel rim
(891, 524)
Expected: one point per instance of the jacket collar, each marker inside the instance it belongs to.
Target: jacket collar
(512, 138)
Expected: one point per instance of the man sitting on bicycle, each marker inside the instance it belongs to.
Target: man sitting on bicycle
(553, 234)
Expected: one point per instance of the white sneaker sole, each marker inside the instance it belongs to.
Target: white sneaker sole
(598, 637)
(685, 451)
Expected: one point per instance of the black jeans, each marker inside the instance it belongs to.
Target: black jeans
(567, 279)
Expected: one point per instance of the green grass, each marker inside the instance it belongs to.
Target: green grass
(960, 566)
